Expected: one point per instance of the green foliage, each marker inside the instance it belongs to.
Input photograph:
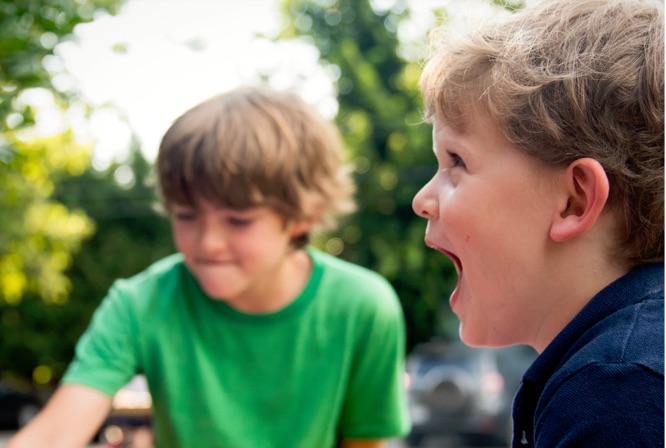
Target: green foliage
(29, 31)
(38, 232)
(511, 6)
(130, 235)
(132, 232)
(380, 119)
(38, 337)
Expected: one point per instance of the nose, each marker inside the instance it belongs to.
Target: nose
(211, 238)
(424, 203)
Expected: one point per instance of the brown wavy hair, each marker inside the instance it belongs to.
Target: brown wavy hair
(566, 80)
(256, 146)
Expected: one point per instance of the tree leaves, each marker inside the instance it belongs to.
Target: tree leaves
(389, 145)
(37, 233)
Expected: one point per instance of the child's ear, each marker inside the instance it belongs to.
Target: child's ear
(301, 227)
(585, 192)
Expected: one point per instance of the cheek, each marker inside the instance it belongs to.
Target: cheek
(182, 237)
(490, 219)
(463, 218)
(255, 243)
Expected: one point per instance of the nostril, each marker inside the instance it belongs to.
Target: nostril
(423, 207)
(422, 213)
(423, 203)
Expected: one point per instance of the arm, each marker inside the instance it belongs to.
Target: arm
(69, 420)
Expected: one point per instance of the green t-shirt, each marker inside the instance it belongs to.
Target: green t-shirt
(328, 365)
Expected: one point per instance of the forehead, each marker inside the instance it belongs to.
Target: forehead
(483, 146)
(477, 127)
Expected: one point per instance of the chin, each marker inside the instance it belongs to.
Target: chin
(486, 340)
(471, 339)
(215, 293)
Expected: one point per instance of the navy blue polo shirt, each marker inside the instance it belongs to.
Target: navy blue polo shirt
(600, 383)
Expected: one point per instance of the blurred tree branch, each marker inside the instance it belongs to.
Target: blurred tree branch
(37, 233)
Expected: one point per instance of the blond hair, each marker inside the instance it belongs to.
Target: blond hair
(255, 146)
(565, 80)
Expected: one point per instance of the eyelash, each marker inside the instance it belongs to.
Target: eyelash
(185, 216)
(191, 216)
(456, 160)
(239, 222)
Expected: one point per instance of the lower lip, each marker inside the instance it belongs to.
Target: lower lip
(454, 299)
(213, 262)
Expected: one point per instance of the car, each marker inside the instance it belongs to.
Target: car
(465, 393)
(17, 408)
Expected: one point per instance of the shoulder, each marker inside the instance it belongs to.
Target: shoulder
(355, 289)
(625, 400)
(613, 369)
(619, 360)
(349, 279)
(163, 279)
(165, 270)
(341, 271)
(622, 325)
(633, 335)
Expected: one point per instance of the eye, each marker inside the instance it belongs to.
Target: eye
(456, 160)
(239, 222)
(184, 215)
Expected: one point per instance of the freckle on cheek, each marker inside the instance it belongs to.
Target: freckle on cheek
(467, 238)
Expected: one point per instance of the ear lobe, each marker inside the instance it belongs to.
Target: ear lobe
(302, 227)
(586, 192)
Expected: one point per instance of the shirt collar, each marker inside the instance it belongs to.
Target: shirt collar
(632, 288)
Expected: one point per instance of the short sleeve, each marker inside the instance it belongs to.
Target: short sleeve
(375, 404)
(106, 354)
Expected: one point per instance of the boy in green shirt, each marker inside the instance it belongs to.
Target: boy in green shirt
(248, 337)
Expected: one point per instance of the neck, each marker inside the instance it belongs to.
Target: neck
(281, 288)
(578, 274)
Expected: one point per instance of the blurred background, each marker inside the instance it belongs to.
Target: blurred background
(87, 88)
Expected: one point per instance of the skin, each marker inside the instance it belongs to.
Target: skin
(530, 242)
(69, 420)
(242, 257)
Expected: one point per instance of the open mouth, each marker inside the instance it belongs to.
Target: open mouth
(454, 300)
(456, 261)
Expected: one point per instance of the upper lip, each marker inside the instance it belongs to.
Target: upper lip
(455, 259)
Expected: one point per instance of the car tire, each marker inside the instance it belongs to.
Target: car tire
(26, 413)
